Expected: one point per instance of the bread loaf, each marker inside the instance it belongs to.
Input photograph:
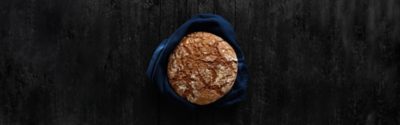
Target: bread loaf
(202, 68)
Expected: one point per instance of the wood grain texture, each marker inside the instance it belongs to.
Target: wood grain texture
(311, 62)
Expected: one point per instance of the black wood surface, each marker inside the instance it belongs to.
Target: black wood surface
(311, 62)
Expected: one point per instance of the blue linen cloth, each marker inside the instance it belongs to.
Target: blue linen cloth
(157, 69)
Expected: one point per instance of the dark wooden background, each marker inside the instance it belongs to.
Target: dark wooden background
(311, 62)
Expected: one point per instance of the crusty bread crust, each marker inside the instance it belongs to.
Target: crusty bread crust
(202, 68)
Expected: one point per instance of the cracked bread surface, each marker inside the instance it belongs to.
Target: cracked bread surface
(202, 68)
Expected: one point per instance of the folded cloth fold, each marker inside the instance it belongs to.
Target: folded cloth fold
(157, 69)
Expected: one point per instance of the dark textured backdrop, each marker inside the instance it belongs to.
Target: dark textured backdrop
(313, 62)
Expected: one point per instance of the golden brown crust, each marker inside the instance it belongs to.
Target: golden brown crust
(202, 68)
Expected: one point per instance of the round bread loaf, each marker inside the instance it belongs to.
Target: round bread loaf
(202, 68)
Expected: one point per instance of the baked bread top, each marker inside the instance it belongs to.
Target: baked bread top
(202, 68)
